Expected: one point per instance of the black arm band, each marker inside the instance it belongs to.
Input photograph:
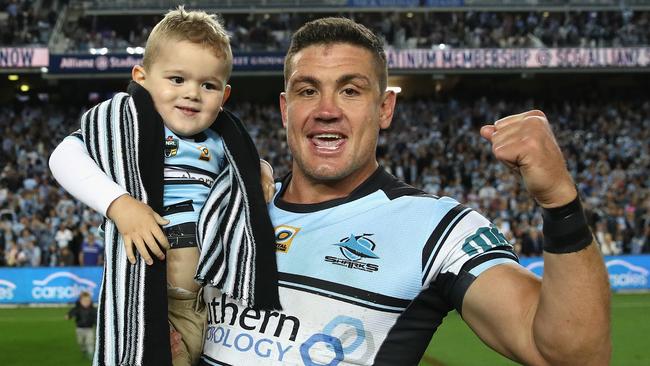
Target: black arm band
(565, 228)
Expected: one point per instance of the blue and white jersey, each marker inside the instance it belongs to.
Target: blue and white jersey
(364, 280)
(191, 166)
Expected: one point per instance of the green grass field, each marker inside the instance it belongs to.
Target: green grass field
(41, 336)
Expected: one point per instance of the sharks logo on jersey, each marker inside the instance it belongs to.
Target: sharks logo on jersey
(354, 248)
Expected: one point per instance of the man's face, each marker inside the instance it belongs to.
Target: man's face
(333, 110)
(187, 84)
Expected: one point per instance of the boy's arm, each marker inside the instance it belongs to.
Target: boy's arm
(138, 224)
(78, 173)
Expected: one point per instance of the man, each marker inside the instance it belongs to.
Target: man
(369, 266)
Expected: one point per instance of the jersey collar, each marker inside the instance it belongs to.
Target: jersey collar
(374, 182)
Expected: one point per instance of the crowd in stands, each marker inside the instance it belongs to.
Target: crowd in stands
(271, 32)
(432, 144)
(25, 22)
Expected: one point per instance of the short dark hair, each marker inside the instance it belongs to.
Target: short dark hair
(326, 31)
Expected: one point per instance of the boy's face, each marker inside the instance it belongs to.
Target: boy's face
(85, 301)
(187, 84)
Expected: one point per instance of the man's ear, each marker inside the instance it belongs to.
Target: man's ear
(386, 109)
(283, 108)
(138, 74)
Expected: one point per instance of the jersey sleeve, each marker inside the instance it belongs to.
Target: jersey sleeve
(77, 173)
(472, 245)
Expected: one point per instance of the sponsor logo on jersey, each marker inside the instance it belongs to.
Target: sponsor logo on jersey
(284, 235)
(171, 146)
(205, 153)
(182, 173)
(236, 329)
(355, 249)
(62, 286)
(270, 334)
(484, 239)
(6, 290)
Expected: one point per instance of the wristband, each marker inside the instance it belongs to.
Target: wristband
(565, 228)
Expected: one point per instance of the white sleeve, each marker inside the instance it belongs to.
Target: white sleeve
(77, 173)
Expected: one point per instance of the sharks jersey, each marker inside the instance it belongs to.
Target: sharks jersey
(191, 166)
(364, 280)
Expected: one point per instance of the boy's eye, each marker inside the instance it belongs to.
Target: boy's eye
(209, 86)
(176, 80)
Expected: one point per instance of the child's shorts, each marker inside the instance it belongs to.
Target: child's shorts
(187, 315)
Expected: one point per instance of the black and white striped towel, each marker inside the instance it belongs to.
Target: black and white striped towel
(125, 135)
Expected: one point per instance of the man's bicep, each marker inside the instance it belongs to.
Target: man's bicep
(499, 306)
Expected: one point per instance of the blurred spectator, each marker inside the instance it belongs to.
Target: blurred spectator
(605, 145)
(26, 22)
(605, 240)
(51, 257)
(66, 258)
(91, 251)
(11, 254)
(63, 236)
(469, 29)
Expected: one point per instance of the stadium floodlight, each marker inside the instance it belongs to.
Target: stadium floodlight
(12, 77)
(395, 89)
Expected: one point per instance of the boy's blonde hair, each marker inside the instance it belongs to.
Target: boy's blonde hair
(194, 26)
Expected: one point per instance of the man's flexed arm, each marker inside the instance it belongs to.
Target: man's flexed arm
(565, 318)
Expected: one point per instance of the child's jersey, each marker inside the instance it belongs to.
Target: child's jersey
(191, 166)
(364, 280)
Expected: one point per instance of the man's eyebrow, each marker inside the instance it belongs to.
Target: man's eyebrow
(305, 79)
(350, 77)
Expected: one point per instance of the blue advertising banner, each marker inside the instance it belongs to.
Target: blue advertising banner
(442, 3)
(438, 58)
(626, 272)
(60, 285)
(83, 64)
(382, 3)
(123, 63)
(48, 285)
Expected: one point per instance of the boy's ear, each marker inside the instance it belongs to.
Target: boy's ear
(226, 94)
(138, 74)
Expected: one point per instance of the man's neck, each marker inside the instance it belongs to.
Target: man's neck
(306, 190)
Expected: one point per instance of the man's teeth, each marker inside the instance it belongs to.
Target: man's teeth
(328, 140)
(328, 136)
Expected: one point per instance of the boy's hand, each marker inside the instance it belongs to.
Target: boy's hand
(268, 184)
(139, 225)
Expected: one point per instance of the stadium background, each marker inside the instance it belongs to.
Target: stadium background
(459, 64)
